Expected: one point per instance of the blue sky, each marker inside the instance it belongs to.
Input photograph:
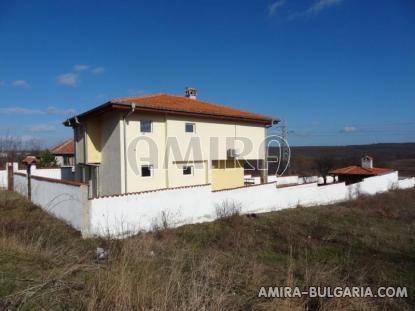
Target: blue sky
(338, 71)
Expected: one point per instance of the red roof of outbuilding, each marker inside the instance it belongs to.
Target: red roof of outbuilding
(181, 105)
(67, 147)
(358, 170)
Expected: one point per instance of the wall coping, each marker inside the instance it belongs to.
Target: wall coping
(58, 181)
(249, 186)
(147, 191)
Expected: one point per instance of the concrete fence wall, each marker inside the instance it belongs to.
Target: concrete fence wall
(406, 183)
(3, 179)
(20, 183)
(126, 214)
(65, 200)
(121, 215)
(44, 172)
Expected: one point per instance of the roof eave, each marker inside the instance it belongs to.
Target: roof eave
(264, 121)
(124, 106)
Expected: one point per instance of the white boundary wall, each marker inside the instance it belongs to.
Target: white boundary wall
(64, 200)
(54, 173)
(3, 179)
(406, 183)
(20, 184)
(127, 214)
(123, 215)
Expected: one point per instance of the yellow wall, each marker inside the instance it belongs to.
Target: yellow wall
(139, 151)
(198, 177)
(224, 132)
(227, 175)
(93, 128)
(168, 167)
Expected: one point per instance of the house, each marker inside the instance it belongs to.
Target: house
(64, 153)
(354, 174)
(134, 144)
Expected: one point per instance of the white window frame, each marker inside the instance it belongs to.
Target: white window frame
(191, 170)
(191, 123)
(151, 170)
(151, 126)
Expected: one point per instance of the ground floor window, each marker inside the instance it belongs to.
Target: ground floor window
(187, 170)
(146, 170)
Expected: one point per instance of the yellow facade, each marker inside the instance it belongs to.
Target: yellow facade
(93, 143)
(205, 150)
(227, 175)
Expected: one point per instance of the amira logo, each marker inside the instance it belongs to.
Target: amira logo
(273, 153)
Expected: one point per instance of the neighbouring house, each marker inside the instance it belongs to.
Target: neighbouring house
(135, 144)
(354, 174)
(64, 153)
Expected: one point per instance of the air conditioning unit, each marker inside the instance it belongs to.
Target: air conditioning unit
(233, 153)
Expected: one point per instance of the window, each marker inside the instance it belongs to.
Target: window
(146, 170)
(187, 170)
(146, 126)
(190, 127)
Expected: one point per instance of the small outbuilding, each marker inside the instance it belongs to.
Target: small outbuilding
(65, 153)
(354, 174)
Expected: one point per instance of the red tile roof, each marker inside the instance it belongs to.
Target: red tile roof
(182, 105)
(358, 170)
(67, 147)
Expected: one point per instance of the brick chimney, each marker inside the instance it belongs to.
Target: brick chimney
(191, 92)
(367, 162)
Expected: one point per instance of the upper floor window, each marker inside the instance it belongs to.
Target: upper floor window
(146, 126)
(190, 127)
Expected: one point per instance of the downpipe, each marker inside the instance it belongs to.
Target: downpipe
(125, 144)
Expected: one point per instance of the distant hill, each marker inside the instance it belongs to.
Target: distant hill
(399, 156)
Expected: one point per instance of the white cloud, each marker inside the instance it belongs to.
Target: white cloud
(320, 5)
(80, 67)
(27, 111)
(53, 111)
(20, 83)
(316, 8)
(136, 92)
(42, 127)
(349, 129)
(98, 70)
(69, 79)
(19, 110)
(273, 8)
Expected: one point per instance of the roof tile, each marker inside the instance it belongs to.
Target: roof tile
(174, 103)
(67, 147)
(358, 170)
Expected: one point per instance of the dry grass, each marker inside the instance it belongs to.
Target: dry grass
(44, 264)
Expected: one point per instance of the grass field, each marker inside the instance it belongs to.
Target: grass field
(45, 265)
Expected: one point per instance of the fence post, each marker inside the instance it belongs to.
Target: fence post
(86, 205)
(10, 179)
(29, 182)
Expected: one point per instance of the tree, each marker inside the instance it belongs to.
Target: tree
(47, 159)
(324, 165)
